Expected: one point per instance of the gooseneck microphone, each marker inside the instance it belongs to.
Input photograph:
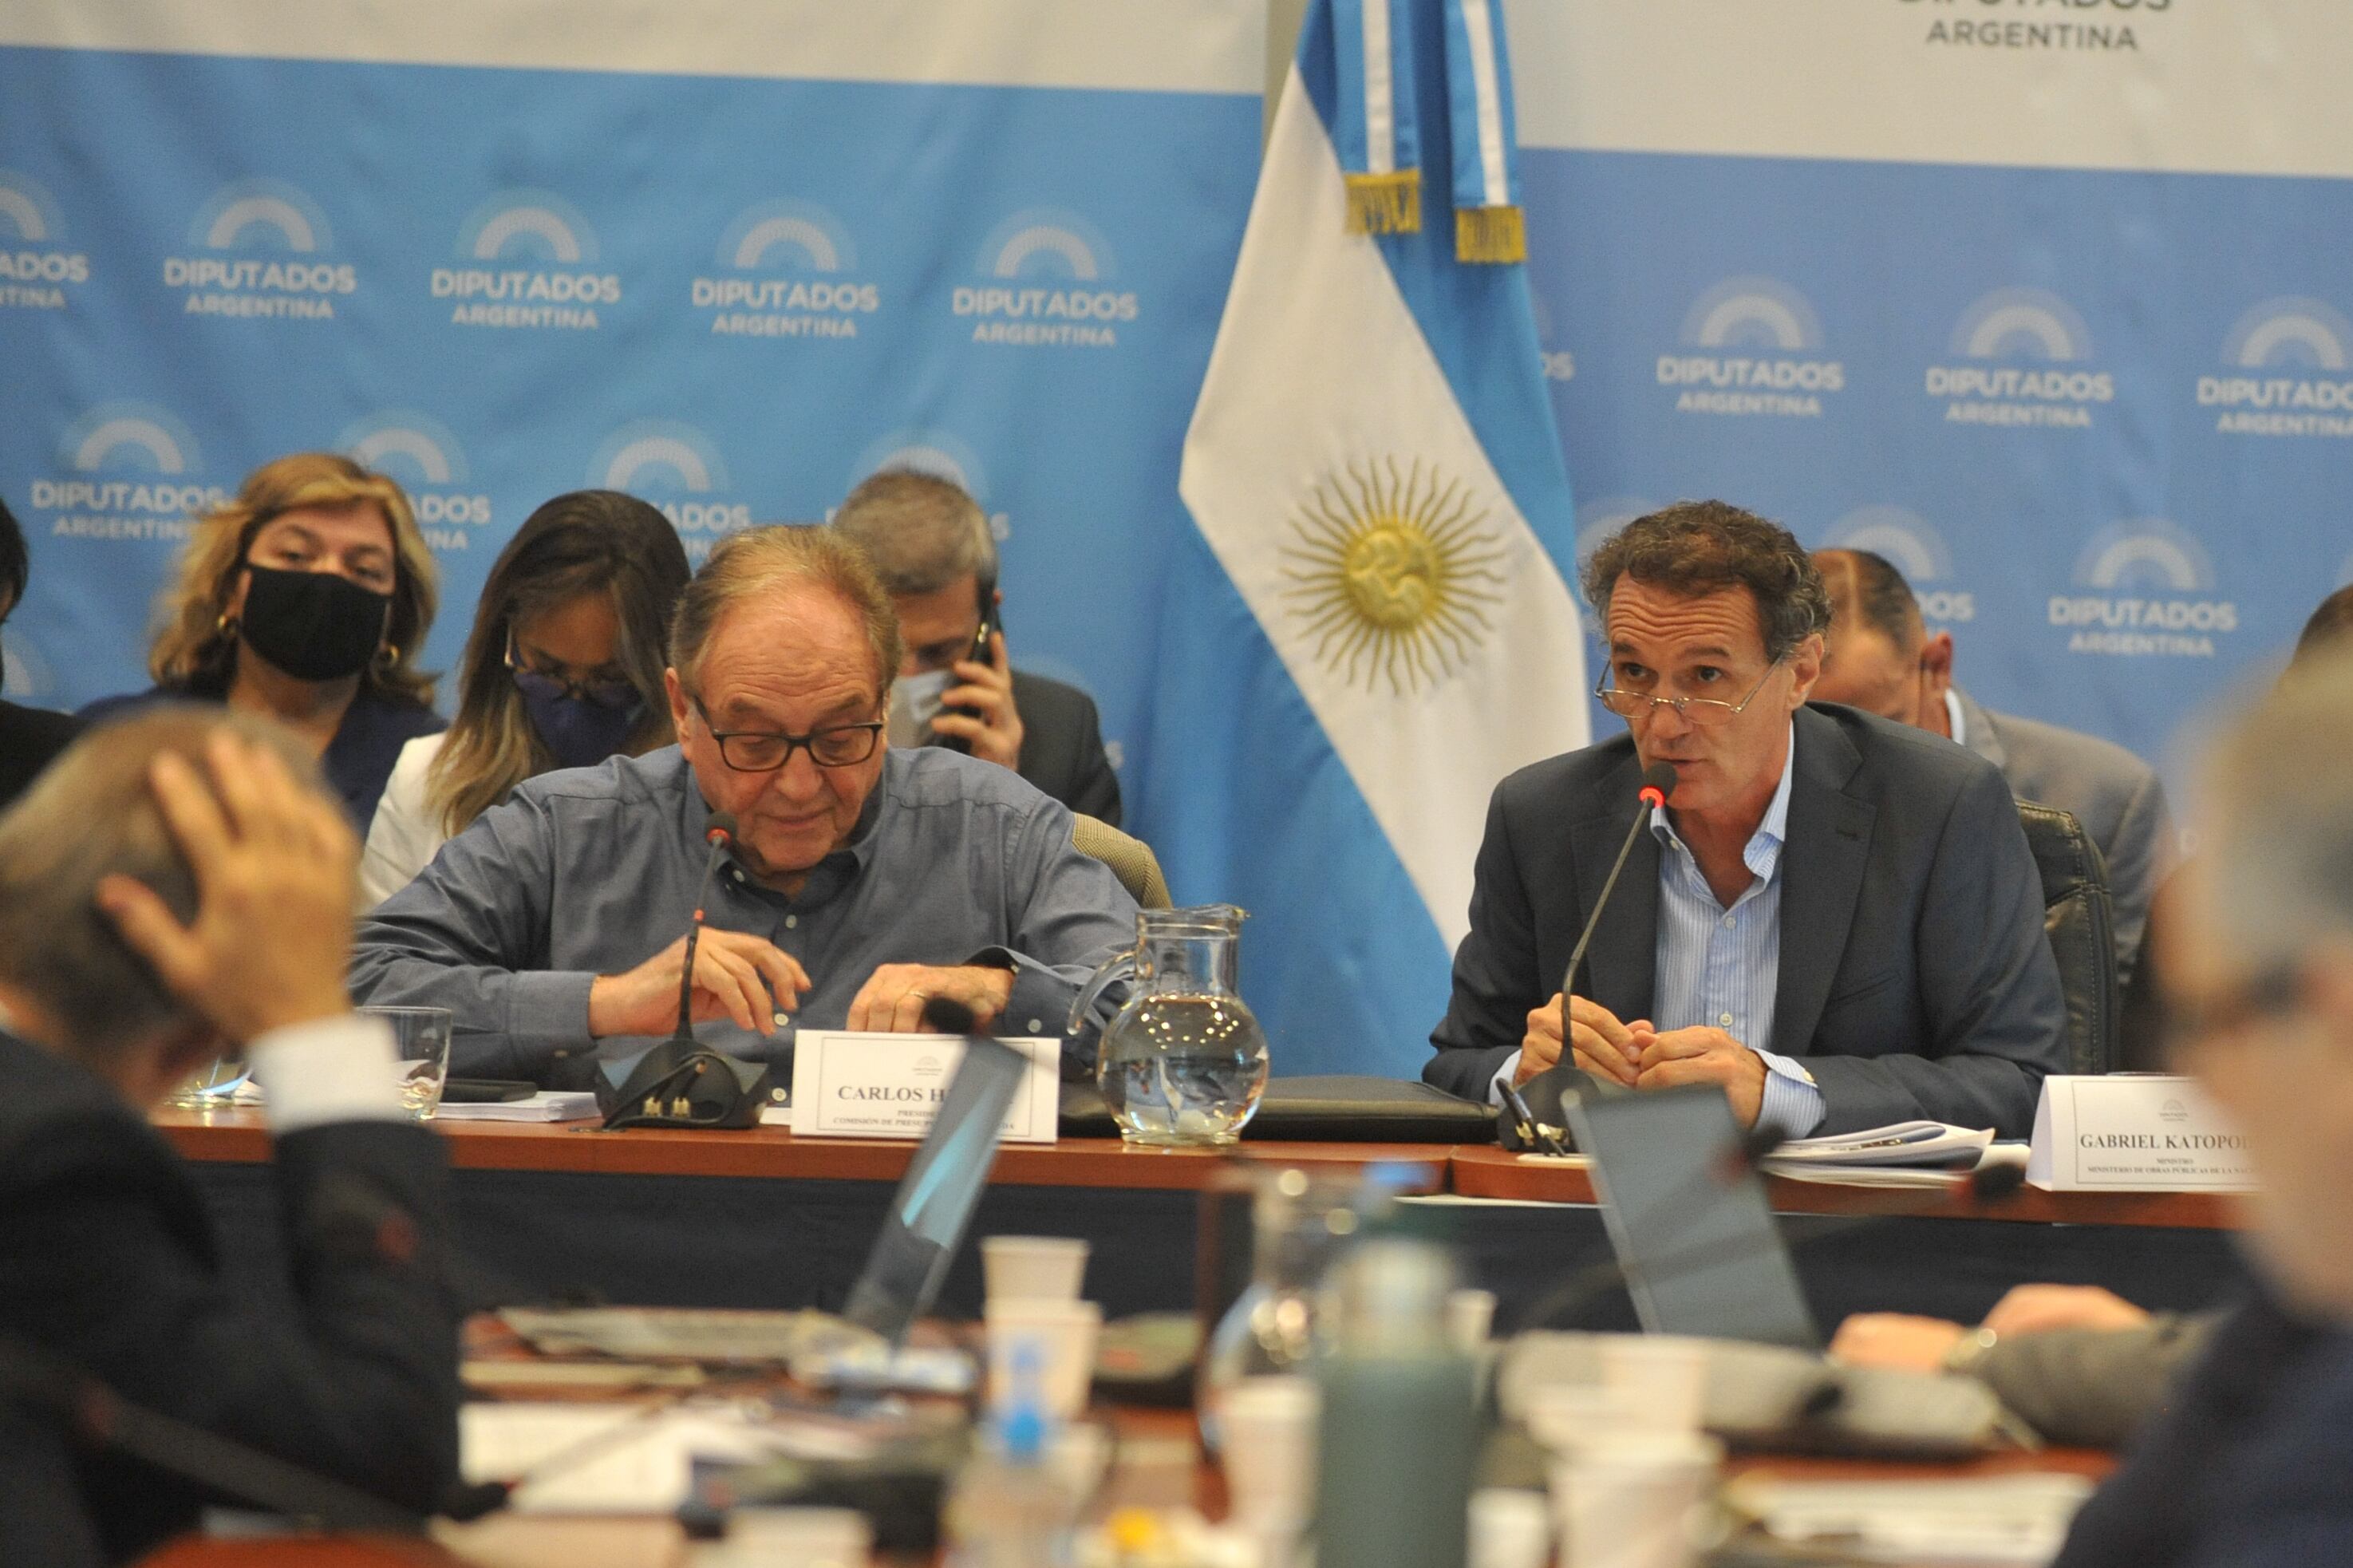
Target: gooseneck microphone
(680, 1083)
(720, 836)
(1658, 783)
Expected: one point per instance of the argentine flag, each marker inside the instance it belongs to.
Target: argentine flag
(1375, 624)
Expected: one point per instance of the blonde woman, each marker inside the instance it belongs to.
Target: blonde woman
(306, 600)
(564, 668)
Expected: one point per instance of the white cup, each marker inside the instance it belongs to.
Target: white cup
(1032, 1268)
(1058, 1338)
(1634, 1503)
(1566, 1417)
(1663, 1376)
(1267, 1427)
(1470, 1314)
(1509, 1529)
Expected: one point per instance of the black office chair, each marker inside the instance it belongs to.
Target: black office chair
(2078, 918)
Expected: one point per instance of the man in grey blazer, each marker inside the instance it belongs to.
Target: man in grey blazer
(1835, 919)
(1880, 658)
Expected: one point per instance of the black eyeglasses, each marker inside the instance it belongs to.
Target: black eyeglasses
(768, 750)
(618, 695)
(1697, 711)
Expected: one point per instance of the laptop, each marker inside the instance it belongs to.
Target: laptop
(905, 1268)
(1688, 1220)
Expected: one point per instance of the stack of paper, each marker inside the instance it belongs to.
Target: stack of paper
(548, 1104)
(1908, 1153)
(2015, 1519)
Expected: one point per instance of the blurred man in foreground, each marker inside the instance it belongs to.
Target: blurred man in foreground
(1881, 659)
(2250, 1466)
(174, 886)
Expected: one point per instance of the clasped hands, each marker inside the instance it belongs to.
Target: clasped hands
(752, 981)
(1642, 1056)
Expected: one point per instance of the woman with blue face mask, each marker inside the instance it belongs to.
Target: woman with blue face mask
(564, 668)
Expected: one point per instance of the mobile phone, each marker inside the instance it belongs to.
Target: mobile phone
(982, 652)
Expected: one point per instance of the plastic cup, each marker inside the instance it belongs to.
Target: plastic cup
(1268, 1424)
(1663, 1376)
(1509, 1529)
(420, 1043)
(1060, 1340)
(1634, 1503)
(1470, 1314)
(1032, 1268)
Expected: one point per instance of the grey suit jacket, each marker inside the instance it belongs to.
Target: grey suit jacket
(2117, 796)
(1915, 979)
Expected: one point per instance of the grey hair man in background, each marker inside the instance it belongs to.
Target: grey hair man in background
(1881, 658)
(930, 544)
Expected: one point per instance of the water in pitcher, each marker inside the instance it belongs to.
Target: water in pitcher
(1182, 1068)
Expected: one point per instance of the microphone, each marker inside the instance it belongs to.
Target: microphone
(681, 1083)
(1658, 783)
(720, 836)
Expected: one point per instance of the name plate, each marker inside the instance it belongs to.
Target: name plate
(2135, 1132)
(891, 1086)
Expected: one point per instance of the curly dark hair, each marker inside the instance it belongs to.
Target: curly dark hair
(1696, 548)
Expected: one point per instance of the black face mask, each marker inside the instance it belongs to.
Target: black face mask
(315, 626)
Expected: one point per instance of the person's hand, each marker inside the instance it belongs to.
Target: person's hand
(1702, 1055)
(988, 691)
(1895, 1341)
(737, 975)
(1598, 1042)
(273, 863)
(2039, 1309)
(892, 1001)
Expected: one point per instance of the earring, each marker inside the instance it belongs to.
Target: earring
(225, 628)
(388, 656)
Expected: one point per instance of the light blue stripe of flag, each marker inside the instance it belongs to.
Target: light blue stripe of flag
(1375, 131)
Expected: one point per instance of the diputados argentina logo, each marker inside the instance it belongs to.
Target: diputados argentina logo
(423, 454)
(37, 265)
(790, 270)
(1757, 350)
(676, 469)
(125, 470)
(1048, 285)
(267, 255)
(527, 260)
(2026, 351)
(2152, 594)
(2289, 359)
(1910, 544)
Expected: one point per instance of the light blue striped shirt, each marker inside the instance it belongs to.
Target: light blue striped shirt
(1722, 967)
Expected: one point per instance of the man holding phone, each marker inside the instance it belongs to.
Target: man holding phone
(930, 543)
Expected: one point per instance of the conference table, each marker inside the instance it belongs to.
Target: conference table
(759, 1217)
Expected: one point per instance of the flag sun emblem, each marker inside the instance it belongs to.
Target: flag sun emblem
(1392, 575)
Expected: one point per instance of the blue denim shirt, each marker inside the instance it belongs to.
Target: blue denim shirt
(591, 871)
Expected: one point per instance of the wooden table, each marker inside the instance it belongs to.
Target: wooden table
(1496, 1173)
(760, 1218)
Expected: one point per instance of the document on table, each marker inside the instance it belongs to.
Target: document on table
(548, 1104)
(631, 1460)
(2019, 1520)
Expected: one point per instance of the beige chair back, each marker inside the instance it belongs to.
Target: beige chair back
(1130, 858)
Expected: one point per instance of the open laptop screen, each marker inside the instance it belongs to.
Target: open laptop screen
(1688, 1219)
(936, 1197)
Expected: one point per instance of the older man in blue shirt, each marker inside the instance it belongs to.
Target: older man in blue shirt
(861, 883)
(1834, 918)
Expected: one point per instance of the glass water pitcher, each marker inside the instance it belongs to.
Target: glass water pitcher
(1184, 1061)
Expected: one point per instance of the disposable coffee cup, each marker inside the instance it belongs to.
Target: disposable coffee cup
(1032, 1268)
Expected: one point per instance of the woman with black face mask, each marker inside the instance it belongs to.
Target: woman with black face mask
(306, 600)
(564, 668)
